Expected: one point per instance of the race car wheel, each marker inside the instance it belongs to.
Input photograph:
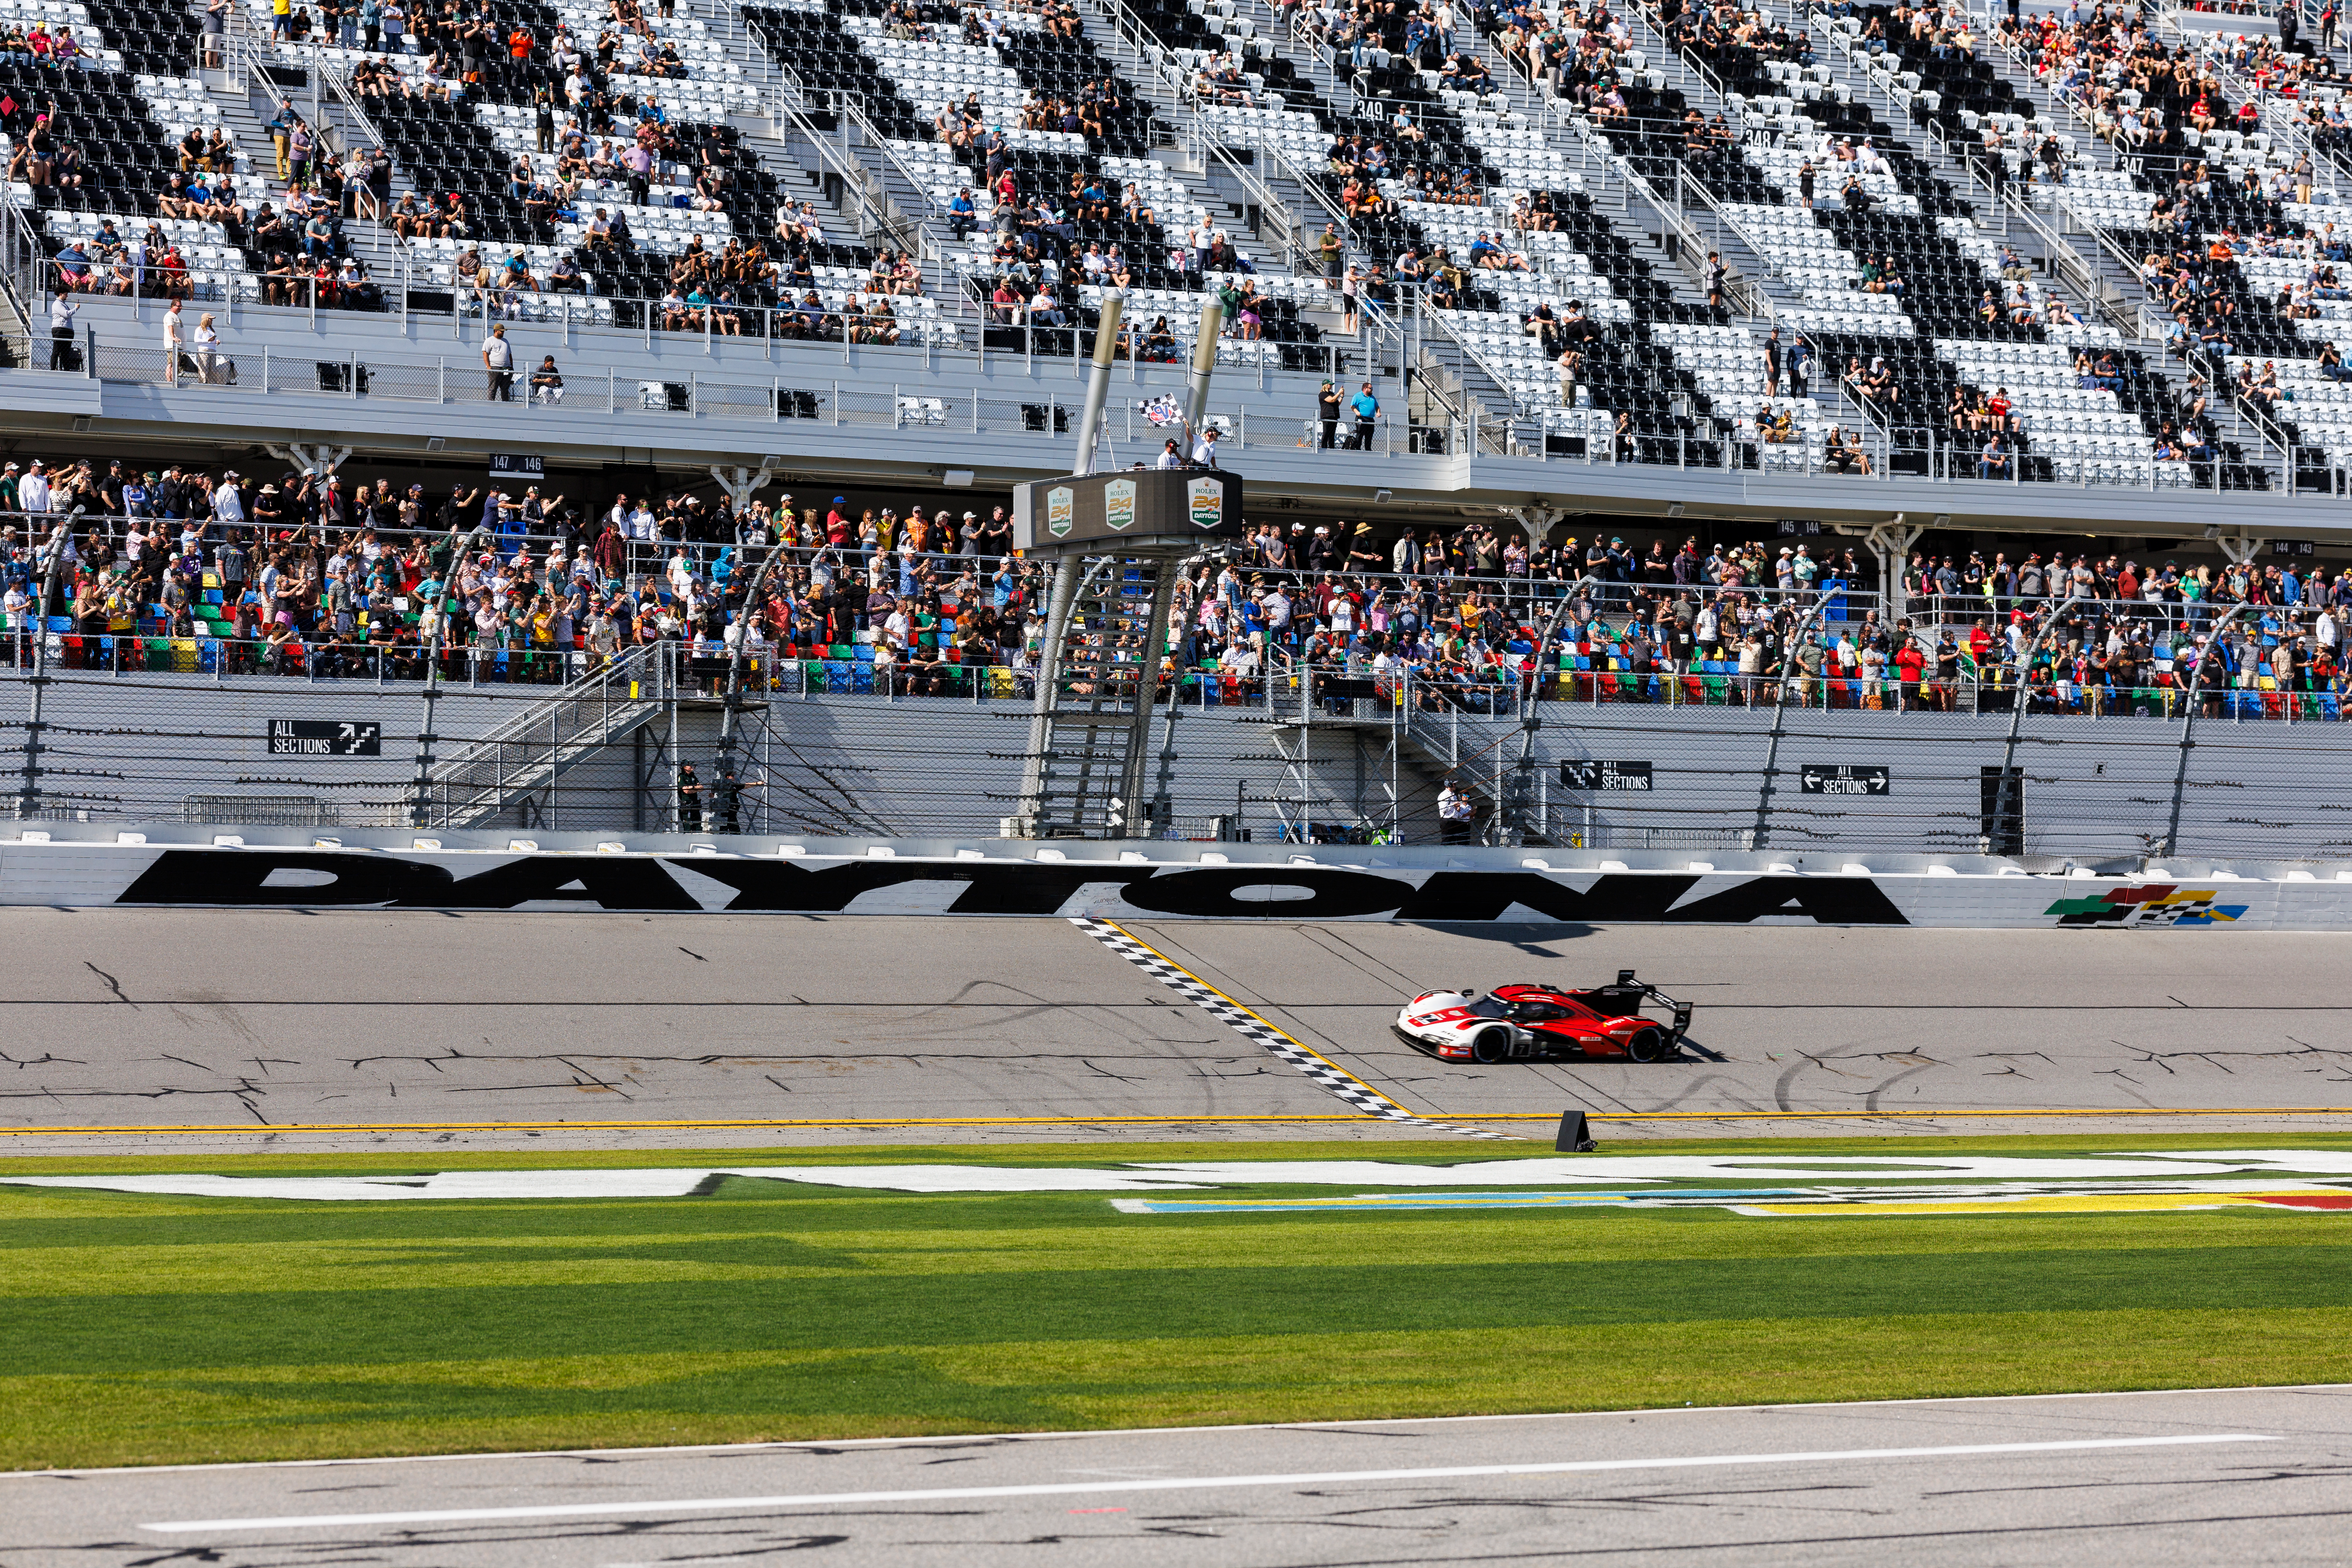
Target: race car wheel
(1649, 1045)
(1491, 1046)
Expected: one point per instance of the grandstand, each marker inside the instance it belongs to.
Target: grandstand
(1514, 300)
(807, 215)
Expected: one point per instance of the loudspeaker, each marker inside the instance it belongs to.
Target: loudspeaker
(1575, 1136)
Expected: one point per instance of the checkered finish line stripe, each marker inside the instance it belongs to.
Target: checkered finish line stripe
(1264, 1036)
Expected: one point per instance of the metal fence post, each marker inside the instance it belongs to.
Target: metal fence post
(1766, 790)
(2005, 804)
(28, 797)
(2198, 681)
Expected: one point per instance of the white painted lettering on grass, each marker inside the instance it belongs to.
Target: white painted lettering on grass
(1193, 1175)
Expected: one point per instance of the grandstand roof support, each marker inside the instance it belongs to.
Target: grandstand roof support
(2238, 546)
(314, 458)
(1891, 542)
(741, 483)
(1536, 520)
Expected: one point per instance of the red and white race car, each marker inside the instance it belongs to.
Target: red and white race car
(1540, 1023)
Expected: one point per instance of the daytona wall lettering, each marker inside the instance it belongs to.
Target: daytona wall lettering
(320, 878)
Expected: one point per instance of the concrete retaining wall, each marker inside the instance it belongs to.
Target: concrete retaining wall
(172, 866)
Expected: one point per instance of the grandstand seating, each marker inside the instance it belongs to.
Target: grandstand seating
(1381, 122)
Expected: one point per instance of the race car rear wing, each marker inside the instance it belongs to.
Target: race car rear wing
(1681, 1010)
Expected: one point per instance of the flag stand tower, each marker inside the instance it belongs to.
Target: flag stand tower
(1116, 542)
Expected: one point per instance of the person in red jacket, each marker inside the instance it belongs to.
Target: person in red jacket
(1910, 662)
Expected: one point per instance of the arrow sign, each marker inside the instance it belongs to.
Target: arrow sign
(1598, 775)
(325, 738)
(1844, 778)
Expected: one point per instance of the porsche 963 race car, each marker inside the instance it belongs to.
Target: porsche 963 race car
(1544, 1023)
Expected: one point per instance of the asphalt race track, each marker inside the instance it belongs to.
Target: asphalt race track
(1793, 1018)
(2189, 1478)
(155, 1020)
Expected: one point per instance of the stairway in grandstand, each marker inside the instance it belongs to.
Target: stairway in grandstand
(1954, 98)
(1586, 257)
(246, 107)
(511, 769)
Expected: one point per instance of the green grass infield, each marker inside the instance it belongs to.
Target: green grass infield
(148, 1330)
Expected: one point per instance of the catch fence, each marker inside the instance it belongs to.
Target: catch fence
(1290, 753)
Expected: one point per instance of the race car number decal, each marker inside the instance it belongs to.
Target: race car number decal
(1450, 1016)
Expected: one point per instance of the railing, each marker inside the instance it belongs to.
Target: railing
(1381, 333)
(1324, 210)
(1749, 298)
(1447, 333)
(1319, 72)
(875, 201)
(1600, 633)
(1746, 298)
(1276, 218)
(22, 255)
(1142, 43)
(2279, 115)
(526, 752)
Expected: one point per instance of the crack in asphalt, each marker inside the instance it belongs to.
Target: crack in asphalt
(111, 984)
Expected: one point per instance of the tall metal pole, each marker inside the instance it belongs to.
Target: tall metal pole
(2197, 680)
(28, 797)
(420, 807)
(2005, 799)
(1522, 781)
(1204, 365)
(1781, 706)
(1099, 381)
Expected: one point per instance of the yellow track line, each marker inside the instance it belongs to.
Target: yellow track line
(1262, 1019)
(1112, 1120)
(611, 1126)
(1883, 1115)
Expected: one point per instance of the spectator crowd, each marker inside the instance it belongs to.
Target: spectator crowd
(182, 568)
